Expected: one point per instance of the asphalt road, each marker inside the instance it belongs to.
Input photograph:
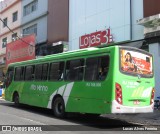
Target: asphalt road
(40, 118)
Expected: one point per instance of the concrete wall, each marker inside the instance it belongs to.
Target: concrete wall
(136, 14)
(38, 17)
(8, 13)
(151, 7)
(155, 50)
(88, 16)
(58, 20)
(10, 8)
(41, 10)
(41, 28)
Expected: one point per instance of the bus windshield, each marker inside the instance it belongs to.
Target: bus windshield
(135, 62)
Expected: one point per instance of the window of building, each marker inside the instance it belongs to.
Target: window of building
(96, 68)
(30, 30)
(56, 71)
(29, 73)
(14, 36)
(15, 16)
(74, 70)
(19, 72)
(5, 22)
(4, 42)
(31, 7)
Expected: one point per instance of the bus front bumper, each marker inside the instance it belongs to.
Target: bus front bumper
(117, 108)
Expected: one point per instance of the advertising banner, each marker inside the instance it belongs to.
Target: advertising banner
(136, 62)
(21, 50)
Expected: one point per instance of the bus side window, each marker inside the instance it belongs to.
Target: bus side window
(29, 73)
(9, 76)
(96, 68)
(44, 71)
(17, 76)
(74, 69)
(91, 69)
(38, 72)
(22, 74)
(103, 67)
(56, 71)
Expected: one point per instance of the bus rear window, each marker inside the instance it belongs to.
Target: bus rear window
(136, 62)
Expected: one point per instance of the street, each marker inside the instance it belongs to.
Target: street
(27, 116)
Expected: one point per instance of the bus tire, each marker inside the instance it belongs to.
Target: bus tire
(58, 107)
(16, 99)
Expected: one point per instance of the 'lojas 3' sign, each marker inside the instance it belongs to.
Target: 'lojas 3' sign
(96, 39)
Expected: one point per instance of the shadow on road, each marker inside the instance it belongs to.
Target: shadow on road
(84, 122)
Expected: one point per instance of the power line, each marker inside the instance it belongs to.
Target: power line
(16, 35)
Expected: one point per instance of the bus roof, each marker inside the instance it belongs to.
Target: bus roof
(74, 53)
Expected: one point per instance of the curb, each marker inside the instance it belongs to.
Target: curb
(2, 98)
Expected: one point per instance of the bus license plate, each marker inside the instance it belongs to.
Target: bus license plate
(137, 102)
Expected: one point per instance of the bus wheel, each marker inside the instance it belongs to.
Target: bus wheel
(16, 99)
(59, 107)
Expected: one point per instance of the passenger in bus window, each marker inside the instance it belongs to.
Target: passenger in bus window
(60, 72)
(102, 73)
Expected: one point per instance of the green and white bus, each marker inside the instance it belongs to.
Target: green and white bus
(114, 79)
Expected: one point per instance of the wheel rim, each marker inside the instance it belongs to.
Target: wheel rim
(59, 107)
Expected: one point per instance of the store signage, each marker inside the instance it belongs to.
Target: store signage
(96, 39)
(21, 50)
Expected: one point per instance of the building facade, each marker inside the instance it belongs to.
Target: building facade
(10, 14)
(34, 20)
(151, 23)
(124, 20)
(90, 16)
(57, 25)
(47, 19)
(76, 22)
